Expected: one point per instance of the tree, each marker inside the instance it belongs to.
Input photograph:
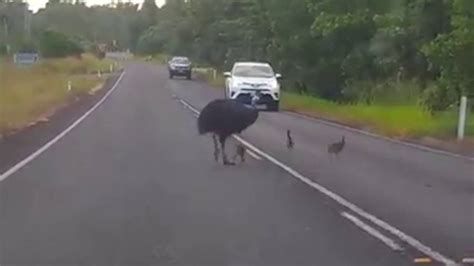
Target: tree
(336, 49)
(453, 54)
(56, 44)
(150, 11)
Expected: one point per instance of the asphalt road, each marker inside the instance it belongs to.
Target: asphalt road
(134, 184)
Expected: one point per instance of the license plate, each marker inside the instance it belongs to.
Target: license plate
(257, 106)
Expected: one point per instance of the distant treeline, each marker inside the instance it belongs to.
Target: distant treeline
(344, 50)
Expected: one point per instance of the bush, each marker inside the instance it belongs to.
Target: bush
(151, 41)
(98, 52)
(386, 92)
(54, 44)
(452, 53)
(437, 98)
(27, 47)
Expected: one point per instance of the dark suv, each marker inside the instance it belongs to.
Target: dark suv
(180, 66)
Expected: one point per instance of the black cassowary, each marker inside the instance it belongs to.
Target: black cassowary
(224, 117)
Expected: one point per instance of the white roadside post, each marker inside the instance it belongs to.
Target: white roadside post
(99, 74)
(111, 68)
(69, 85)
(462, 117)
(214, 73)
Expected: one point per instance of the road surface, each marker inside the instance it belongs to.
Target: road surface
(134, 184)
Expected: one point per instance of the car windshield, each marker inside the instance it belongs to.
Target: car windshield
(180, 60)
(257, 71)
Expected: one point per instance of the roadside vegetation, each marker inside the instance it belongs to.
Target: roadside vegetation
(397, 67)
(401, 121)
(30, 93)
(397, 115)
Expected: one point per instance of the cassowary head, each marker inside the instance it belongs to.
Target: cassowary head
(255, 98)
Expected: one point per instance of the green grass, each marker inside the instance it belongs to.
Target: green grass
(29, 93)
(388, 117)
(391, 120)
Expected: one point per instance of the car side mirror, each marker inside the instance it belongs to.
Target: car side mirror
(278, 76)
(227, 74)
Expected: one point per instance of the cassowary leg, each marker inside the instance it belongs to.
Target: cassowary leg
(224, 155)
(216, 147)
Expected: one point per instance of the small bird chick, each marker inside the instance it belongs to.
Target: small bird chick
(289, 141)
(336, 148)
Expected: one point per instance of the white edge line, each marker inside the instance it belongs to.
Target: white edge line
(255, 156)
(374, 135)
(371, 231)
(61, 135)
(342, 201)
(468, 260)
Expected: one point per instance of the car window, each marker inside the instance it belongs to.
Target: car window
(257, 71)
(180, 60)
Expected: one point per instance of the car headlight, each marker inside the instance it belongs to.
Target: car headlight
(275, 85)
(235, 86)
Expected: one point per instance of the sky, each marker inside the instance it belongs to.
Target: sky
(37, 4)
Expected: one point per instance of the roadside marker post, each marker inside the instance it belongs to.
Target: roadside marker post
(111, 68)
(99, 74)
(462, 117)
(69, 85)
(214, 73)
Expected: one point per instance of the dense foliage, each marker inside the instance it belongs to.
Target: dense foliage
(55, 44)
(345, 50)
(118, 26)
(356, 50)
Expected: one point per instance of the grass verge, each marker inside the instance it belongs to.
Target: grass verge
(34, 92)
(401, 121)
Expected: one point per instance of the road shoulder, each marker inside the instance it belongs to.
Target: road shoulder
(18, 145)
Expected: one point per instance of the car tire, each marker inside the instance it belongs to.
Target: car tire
(274, 106)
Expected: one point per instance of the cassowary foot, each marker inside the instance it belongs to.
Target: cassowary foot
(226, 161)
(229, 163)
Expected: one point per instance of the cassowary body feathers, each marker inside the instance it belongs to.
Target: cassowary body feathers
(224, 117)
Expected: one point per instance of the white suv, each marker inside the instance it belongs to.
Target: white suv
(248, 77)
